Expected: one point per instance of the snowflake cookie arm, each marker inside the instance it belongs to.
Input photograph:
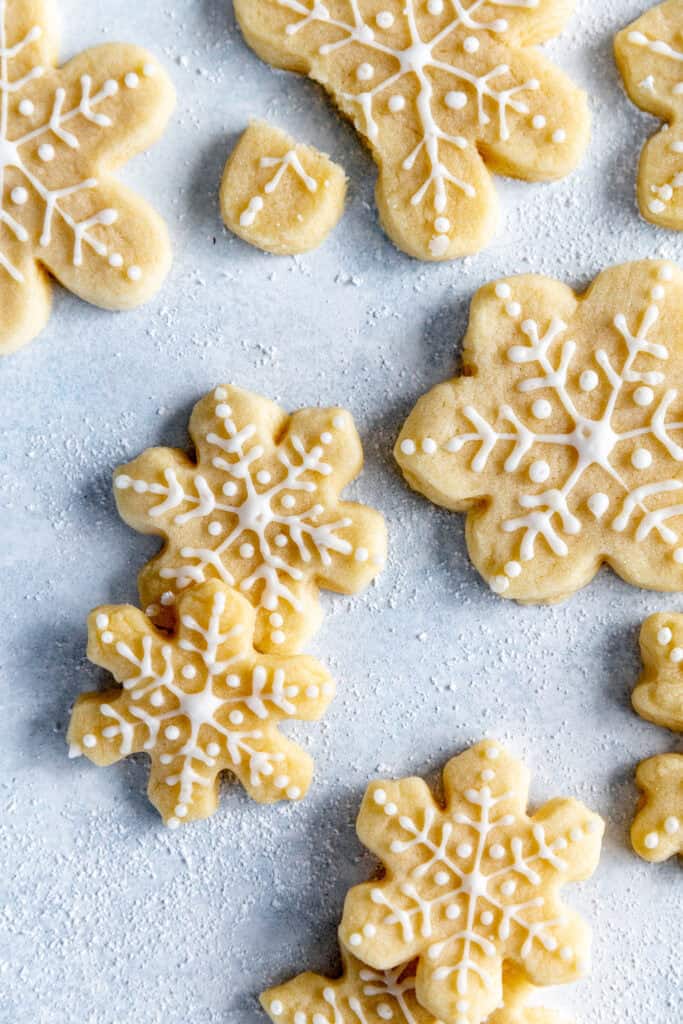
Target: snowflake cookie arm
(658, 697)
(657, 831)
(649, 54)
(199, 702)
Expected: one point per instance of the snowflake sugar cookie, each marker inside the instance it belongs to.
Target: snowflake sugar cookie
(658, 697)
(472, 884)
(444, 92)
(199, 703)
(62, 132)
(563, 440)
(366, 996)
(650, 56)
(657, 832)
(260, 510)
(279, 195)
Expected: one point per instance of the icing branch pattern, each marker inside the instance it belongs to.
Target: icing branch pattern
(650, 53)
(37, 132)
(290, 161)
(471, 884)
(360, 996)
(259, 513)
(590, 391)
(441, 72)
(199, 702)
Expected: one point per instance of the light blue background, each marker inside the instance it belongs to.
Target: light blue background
(105, 917)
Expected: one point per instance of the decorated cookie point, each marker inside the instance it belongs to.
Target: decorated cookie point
(199, 702)
(471, 884)
(260, 509)
(279, 195)
(657, 831)
(444, 93)
(62, 132)
(564, 439)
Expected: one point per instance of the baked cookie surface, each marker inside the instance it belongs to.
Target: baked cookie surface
(444, 93)
(563, 438)
(280, 195)
(657, 831)
(63, 131)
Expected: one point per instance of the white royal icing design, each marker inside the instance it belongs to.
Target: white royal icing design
(56, 134)
(290, 161)
(662, 195)
(549, 514)
(473, 885)
(423, 58)
(162, 697)
(242, 509)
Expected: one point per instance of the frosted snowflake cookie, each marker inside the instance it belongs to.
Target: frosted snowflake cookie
(472, 884)
(563, 439)
(260, 509)
(445, 92)
(63, 131)
(199, 703)
(650, 57)
(279, 195)
(657, 832)
(366, 996)
(658, 697)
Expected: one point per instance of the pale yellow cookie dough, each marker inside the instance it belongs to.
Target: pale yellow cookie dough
(260, 509)
(658, 697)
(443, 96)
(650, 57)
(471, 884)
(366, 996)
(199, 702)
(657, 832)
(563, 438)
(279, 195)
(63, 131)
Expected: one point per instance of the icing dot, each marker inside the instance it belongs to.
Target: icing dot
(538, 122)
(102, 621)
(463, 849)
(384, 19)
(364, 72)
(215, 528)
(116, 260)
(497, 851)
(566, 953)
(560, 135)
(277, 636)
(171, 732)
(513, 570)
(46, 152)
(641, 459)
(396, 103)
(499, 584)
(89, 740)
(657, 293)
(229, 489)
(131, 80)
(471, 44)
(643, 396)
(435, 6)
(441, 878)
(233, 681)
(355, 939)
(236, 717)
(246, 550)
(276, 619)
(486, 918)
(493, 753)
(19, 195)
(651, 841)
(361, 554)
(149, 70)
(588, 380)
(438, 246)
(263, 476)
(181, 810)
(541, 409)
(671, 825)
(488, 775)
(442, 224)
(189, 671)
(288, 501)
(380, 797)
(293, 792)
(539, 471)
(312, 692)
(408, 447)
(339, 422)
(369, 931)
(513, 309)
(503, 291)
(598, 503)
(455, 100)
(134, 273)
(281, 540)
(173, 823)
(678, 556)
(213, 750)
(676, 655)
(276, 1007)
(666, 274)
(107, 637)
(26, 108)
(390, 810)
(508, 888)
(429, 446)
(384, 1011)
(664, 636)
(452, 911)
